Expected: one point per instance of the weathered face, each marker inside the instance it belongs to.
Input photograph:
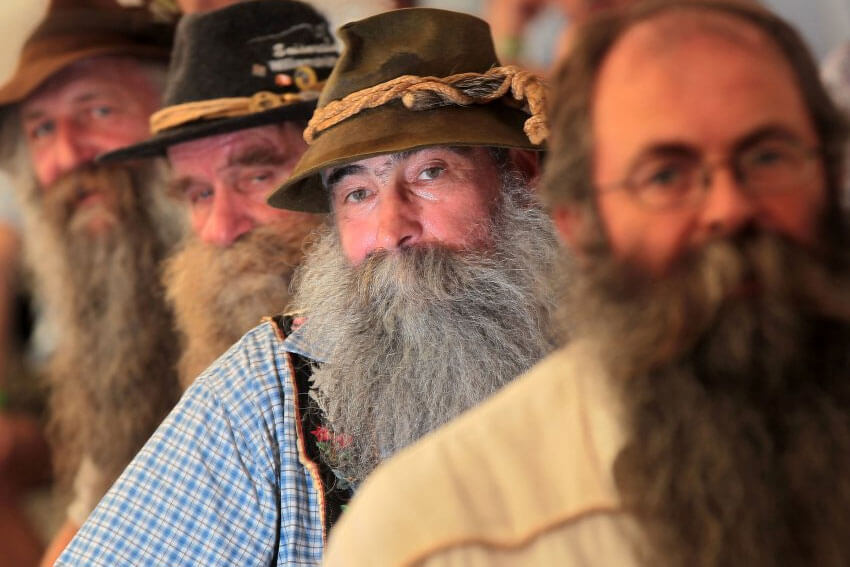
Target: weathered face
(436, 195)
(226, 179)
(726, 100)
(92, 107)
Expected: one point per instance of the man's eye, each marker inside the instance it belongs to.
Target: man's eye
(262, 177)
(101, 111)
(767, 157)
(356, 196)
(663, 182)
(259, 179)
(772, 164)
(667, 175)
(42, 130)
(431, 173)
(196, 195)
(659, 175)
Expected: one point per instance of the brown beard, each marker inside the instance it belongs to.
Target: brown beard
(738, 405)
(416, 336)
(112, 375)
(219, 293)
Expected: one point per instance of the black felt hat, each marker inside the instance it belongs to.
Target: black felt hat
(249, 64)
(416, 45)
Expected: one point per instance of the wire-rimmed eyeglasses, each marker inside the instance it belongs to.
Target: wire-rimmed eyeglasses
(675, 176)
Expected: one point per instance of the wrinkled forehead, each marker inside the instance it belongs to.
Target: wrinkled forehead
(383, 162)
(691, 58)
(273, 137)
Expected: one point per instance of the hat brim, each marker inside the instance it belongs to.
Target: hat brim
(392, 129)
(157, 145)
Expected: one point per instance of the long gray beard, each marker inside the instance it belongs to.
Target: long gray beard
(738, 406)
(219, 293)
(417, 336)
(112, 375)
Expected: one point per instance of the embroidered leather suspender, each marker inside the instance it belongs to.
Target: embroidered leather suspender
(312, 417)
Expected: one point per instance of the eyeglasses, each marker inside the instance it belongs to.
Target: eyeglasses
(678, 177)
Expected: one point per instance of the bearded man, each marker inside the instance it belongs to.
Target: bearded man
(700, 414)
(236, 103)
(88, 79)
(425, 293)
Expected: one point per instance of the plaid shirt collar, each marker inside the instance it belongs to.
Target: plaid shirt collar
(297, 343)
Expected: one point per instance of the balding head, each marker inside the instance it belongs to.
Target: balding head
(654, 27)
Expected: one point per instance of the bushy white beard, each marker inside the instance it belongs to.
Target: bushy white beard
(419, 335)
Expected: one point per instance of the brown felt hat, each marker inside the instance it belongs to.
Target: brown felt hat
(74, 30)
(416, 41)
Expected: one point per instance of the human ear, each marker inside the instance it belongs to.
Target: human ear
(527, 162)
(570, 224)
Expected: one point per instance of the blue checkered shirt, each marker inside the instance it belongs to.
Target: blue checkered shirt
(220, 482)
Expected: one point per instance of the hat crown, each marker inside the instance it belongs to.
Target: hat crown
(94, 19)
(413, 41)
(240, 50)
(421, 42)
(73, 30)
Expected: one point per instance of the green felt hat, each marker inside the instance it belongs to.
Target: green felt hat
(389, 47)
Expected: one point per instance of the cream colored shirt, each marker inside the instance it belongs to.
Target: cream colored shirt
(524, 479)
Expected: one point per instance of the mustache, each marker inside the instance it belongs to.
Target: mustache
(657, 318)
(410, 272)
(61, 199)
(771, 265)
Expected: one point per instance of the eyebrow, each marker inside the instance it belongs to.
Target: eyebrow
(336, 175)
(664, 149)
(767, 132)
(353, 169)
(770, 132)
(257, 155)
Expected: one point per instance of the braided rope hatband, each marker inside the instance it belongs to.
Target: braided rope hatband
(424, 93)
(179, 114)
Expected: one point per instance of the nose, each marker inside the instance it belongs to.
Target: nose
(399, 225)
(71, 149)
(227, 220)
(728, 206)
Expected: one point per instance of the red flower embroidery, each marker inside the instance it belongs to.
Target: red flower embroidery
(333, 450)
(321, 434)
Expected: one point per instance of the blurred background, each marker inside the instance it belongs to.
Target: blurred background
(824, 23)
(530, 32)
